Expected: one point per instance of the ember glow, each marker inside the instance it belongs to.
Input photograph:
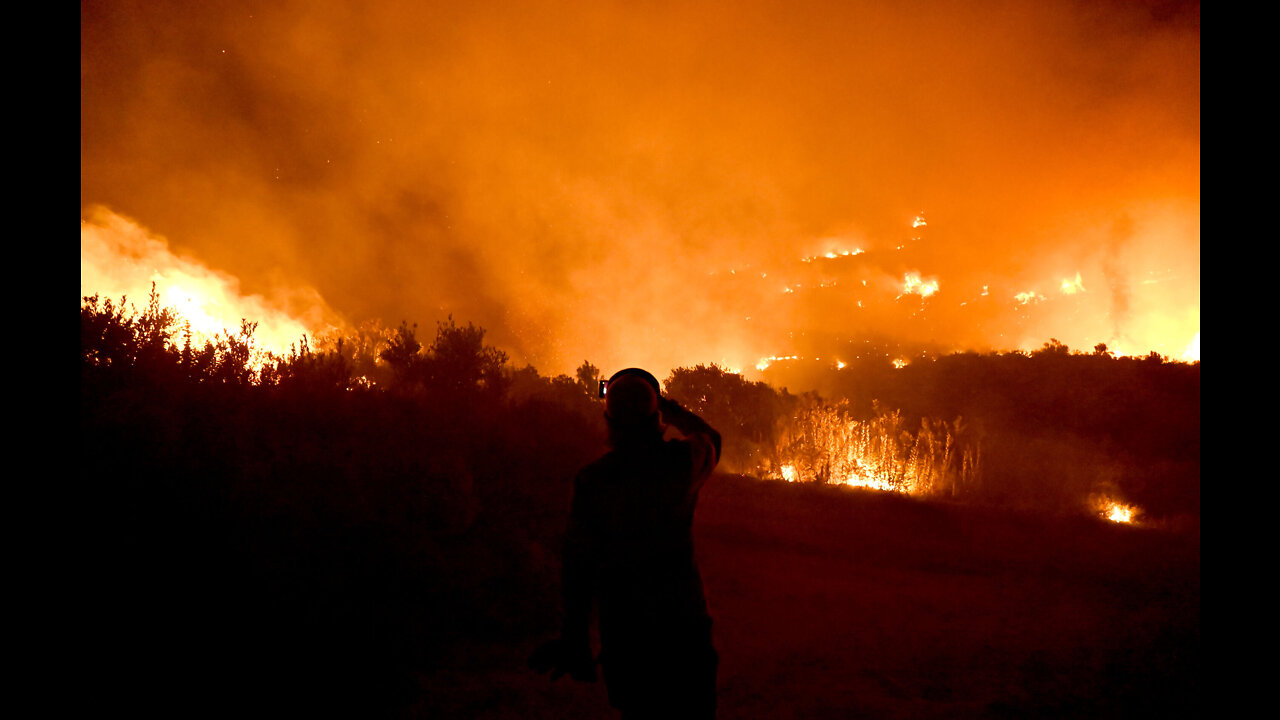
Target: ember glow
(663, 185)
(1116, 511)
(764, 363)
(1071, 287)
(912, 283)
(1120, 513)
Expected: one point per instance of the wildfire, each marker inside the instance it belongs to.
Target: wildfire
(825, 444)
(729, 368)
(828, 446)
(1120, 514)
(912, 283)
(118, 258)
(765, 362)
(834, 254)
(871, 483)
(1192, 353)
(1116, 511)
(1071, 287)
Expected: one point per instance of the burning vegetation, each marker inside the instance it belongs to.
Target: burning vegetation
(877, 424)
(828, 445)
(945, 427)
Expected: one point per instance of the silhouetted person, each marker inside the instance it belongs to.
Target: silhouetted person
(629, 551)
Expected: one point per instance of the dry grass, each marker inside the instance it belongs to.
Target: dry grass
(832, 602)
(823, 443)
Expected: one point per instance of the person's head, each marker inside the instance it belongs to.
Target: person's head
(631, 406)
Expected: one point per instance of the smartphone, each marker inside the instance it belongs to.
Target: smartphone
(604, 387)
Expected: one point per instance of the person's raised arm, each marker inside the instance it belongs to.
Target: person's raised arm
(693, 427)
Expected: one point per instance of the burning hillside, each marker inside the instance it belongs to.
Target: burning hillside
(351, 272)
(662, 186)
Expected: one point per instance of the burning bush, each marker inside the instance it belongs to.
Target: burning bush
(826, 444)
(774, 434)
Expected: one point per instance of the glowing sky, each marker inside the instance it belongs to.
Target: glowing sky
(642, 182)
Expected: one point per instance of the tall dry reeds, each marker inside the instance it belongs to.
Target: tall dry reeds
(824, 443)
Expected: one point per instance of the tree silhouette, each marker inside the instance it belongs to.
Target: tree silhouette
(459, 363)
(746, 413)
(1053, 347)
(402, 355)
(589, 377)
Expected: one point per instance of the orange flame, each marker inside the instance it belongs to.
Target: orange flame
(1192, 353)
(119, 258)
(1071, 287)
(1116, 511)
(912, 283)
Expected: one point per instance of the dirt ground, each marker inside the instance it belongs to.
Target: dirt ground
(834, 603)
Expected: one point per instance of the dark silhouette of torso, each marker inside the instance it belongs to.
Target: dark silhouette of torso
(630, 547)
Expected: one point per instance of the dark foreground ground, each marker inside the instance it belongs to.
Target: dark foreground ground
(832, 603)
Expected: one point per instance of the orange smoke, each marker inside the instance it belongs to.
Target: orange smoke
(635, 184)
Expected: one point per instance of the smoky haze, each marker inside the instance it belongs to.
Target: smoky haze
(640, 183)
